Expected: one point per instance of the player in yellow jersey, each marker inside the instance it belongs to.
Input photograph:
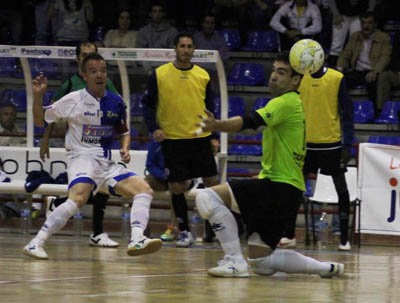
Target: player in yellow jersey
(177, 92)
(329, 125)
(267, 203)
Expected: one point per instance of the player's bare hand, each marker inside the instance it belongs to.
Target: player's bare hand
(158, 135)
(215, 146)
(125, 156)
(44, 150)
(207, 123)
(39, 84)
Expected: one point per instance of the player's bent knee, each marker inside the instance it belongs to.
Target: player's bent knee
(207, 201)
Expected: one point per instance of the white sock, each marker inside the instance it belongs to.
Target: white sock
(57, 219)
(224, 225)
(290, 261)
(140, 214)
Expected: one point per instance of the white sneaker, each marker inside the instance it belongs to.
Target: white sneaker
(185, 239)
(258, 267)
(143, 246)
(102, 240)
(345, 247)
(287, 243)
(230, 267)
(337, 269)
(49, 200)
(35, 250)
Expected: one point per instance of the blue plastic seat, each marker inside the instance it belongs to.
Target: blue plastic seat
(15, 97)
(390, 140)
(262, 42)
(363, 111)
(247, 74)
(236, 107)
(260, 103)
(231, 37)
(246, 149)
(8, 67)
(389, 114)
(136, 105)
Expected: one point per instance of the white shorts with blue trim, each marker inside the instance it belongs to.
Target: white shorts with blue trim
(102, 173)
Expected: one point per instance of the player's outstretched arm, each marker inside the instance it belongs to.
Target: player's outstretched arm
(39, 85)
(209, 124)
(125, 145)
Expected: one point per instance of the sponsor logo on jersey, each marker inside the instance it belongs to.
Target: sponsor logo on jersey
(89, 114)
(89, 104)
(92, 134)
(111, 114)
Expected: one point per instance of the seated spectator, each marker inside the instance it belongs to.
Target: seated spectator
(122, 36)
(366, 55)
(346, 20)
(296, 20)
(390, 79)
(73, 18)
(158, 33)
(208, 38)
(12, 19)
(8, 119)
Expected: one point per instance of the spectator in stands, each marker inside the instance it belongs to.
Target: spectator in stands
(8, 119)
(76, 82)
(366, 55)
(176, 93)
(123, 35)
(158, 33)
(329, 137)
(346, 21)
(208, 38)
(12, 19)
(73, 18)
(296, 20)
(390, 79)
(42, 22)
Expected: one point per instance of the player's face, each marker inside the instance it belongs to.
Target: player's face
(184, 50)
(8, 117)
(95, 75)
(124, 21)
(208, 25)
(281, 79)
(368, 26)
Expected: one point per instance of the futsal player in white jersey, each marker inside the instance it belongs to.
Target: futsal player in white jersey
(94, 115)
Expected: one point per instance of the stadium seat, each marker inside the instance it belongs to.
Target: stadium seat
(260, 103)
(247, 74)
(363, 111)
(15, 97)
(231, 37)
(8, 67)
(389, 114)
(136, 105)
(236, 107)
(262, 42)
(246, 149)
(389, 140)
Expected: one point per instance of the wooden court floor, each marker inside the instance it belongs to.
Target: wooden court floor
(76, 272)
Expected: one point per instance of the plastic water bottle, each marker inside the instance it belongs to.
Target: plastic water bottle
(126, 221)
(26, 219)
(323, 231)
(100, 34)
(196, 226)
(78, 224)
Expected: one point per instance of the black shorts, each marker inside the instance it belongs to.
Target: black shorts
(188, 159)
(266, 206)
(328, 161)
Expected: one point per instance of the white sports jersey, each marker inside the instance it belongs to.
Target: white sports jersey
(92, 123)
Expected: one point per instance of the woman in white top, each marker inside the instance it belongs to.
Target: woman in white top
(122, 36)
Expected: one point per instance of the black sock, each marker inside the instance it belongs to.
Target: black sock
(99, 205)
(59, 201)
(344, 208)
(180, 208)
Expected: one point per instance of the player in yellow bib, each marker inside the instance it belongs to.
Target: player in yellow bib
(267, 203)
